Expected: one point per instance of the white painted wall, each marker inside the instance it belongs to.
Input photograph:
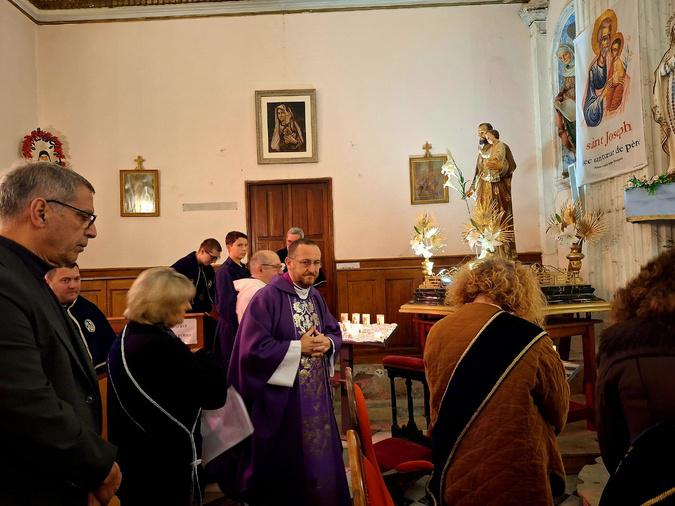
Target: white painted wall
(18, 82)
(180, 93)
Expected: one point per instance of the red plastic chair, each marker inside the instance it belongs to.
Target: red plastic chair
(392, 455)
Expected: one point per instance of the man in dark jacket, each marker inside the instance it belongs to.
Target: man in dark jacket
(197, 266)
(90, 322)
(50, 406)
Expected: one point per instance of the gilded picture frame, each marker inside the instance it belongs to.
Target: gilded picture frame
(286, 126)
(139, 193)
(427, 183)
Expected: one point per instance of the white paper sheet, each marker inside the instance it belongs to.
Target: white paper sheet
(225, 427)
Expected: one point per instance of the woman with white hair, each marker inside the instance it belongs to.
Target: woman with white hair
(157, 389)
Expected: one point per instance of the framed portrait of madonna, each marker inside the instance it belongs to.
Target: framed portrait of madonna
(286, 126)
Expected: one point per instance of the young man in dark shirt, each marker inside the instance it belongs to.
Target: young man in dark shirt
(237, 248)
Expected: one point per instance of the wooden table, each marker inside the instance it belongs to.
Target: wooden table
(550, 310)
(559, 328)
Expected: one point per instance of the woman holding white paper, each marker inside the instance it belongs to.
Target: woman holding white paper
(156, 391)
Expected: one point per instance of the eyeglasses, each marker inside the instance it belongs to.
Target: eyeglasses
(214, 258)
(308, 263)
(277, 267)
(90, 217)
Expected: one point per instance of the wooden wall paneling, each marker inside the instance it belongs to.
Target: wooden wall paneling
(399, 289)
(363, 297)
(94, 290)
(117, 295)
(440, 261)
(111, 272)
(381, 291)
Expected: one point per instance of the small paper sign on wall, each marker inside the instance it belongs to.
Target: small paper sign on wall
(187, 331)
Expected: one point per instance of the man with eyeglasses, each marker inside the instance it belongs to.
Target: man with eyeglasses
(264, 266)
(281, 363)
(50, 405)
(293, 234)
(197, 266)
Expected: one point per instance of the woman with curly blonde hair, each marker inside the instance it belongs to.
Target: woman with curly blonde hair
(498, 392)
(636, 374)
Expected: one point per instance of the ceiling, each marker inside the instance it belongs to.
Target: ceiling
(94, 4)
(82, 11)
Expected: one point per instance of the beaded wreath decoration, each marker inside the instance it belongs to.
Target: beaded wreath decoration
(41, 145)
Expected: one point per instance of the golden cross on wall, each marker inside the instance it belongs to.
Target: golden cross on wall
(427, 149)
(139, 162)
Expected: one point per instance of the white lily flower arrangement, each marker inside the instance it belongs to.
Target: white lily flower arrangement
(487, 230)
(455, 179)
(427, 237)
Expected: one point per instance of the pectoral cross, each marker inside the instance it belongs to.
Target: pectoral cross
(427, 149)
(139, 162)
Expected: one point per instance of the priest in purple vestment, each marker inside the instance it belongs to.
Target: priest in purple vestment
(281, 364)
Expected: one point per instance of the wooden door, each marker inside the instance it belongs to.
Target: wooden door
(272, 207)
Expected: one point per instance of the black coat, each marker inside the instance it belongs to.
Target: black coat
(634, 389)
(50, 409)
(95, 329)
(236, 271)
(156, 449)
(202, 276)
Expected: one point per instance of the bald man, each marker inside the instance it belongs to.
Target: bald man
(265, 266)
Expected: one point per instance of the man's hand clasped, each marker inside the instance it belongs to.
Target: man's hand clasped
(314, 343)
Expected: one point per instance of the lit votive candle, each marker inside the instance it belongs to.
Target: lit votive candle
(356, 318)
(365, 319)
(380, 319)
(344, 317)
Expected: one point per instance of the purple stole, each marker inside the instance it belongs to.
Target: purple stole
(487, 361)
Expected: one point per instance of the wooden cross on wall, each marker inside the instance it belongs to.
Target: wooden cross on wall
(427, 149)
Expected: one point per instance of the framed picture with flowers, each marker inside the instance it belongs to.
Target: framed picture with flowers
(427, 182)
(286, 126)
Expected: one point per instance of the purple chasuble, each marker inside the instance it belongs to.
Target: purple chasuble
(294, 455)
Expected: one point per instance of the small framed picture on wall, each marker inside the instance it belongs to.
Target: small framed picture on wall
(286, 126)
(427, 182)
(139, 192)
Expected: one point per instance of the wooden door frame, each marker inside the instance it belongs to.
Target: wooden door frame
(332, 286)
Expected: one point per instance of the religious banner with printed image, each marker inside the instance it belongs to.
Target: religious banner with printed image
(610, 125)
